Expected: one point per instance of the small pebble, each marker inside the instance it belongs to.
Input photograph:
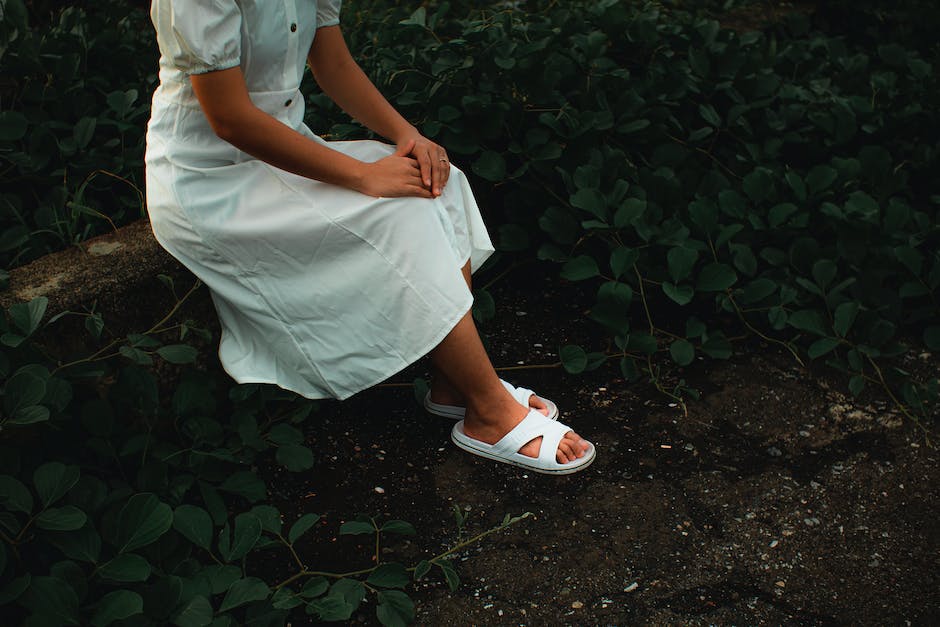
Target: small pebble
(633, 586)
(577, 605)
(774, 543)
(781, 584)
(379, 490)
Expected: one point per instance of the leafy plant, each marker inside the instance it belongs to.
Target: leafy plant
(148, 506)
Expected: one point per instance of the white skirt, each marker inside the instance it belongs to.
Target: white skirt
(319, 289)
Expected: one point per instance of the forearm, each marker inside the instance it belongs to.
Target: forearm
(341, 78)
(265, 138)
(238, 121)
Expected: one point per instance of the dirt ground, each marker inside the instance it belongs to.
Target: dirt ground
(778, 500)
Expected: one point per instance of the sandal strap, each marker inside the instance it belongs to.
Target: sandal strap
(534, 425)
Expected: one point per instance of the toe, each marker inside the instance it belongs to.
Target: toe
(538, 404)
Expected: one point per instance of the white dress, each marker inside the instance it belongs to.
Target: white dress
(319, 289)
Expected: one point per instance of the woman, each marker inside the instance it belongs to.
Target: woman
(331, 265)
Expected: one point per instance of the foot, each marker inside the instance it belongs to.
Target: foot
(444, 393)
(491, 424)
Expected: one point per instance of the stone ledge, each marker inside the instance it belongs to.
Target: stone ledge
(103, 269)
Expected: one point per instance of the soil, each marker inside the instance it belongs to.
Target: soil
(777, 500)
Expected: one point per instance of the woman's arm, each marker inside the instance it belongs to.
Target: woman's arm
(341, 78)
(224, 98)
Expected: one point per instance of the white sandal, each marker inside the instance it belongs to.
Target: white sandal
(522, 395)
(535, 424)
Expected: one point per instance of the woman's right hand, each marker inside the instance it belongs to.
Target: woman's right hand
(394, 176)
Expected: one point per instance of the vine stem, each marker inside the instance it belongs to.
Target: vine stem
(477, 538)
(646, 307)
(364, 571)
(763, 336)
(102, 352)
(898, 403)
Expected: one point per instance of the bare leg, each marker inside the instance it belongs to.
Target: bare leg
(491, 410)
(445, 392)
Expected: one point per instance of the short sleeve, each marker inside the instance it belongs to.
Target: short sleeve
(328, 12)
(198, 36)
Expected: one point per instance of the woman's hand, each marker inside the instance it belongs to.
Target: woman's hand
(394, 176)
(432, 161)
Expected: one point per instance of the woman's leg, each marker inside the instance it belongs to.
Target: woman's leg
(491, 411)
(445, 392)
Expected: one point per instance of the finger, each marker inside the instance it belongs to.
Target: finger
(442, 172)
(405, 149)
(424, 161)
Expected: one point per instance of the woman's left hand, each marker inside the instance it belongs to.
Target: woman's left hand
(432, 160)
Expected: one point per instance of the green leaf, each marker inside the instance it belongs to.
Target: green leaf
(285, 599)
(704, 214)
(390, 575)
(630, 209)
(269, 516)
(294, 457)
(24, 389)
(356, 528)
(53, 480)
(680, 294)
(808, 320)
(303, 524)
(796, 184)
(580, 268)
(484, 307)
(932, 337)
(117, 605)
(244, 591)
(27, 316)
(84, 130)
(573, 358)
(758, 185)
(844, 317)
(141, 521)
(314, 587)
(820, 178)
(350, 591)
(622, 260)
(643, 343)
(395, 609)
(195, 524)
(779, 214)
(911, 258)
(128, 568)
(247, 484)
(450, 574)
(283, 433)
(821, 347)
(247, 532)
(197, 612)
(592, 201)
(491, 166)
(612, 308)
(422, 569)
(757, 290)
(15, 496)
(67, 518)
(682, 352)
(52, 599)
(178, 353)
(709, 114)
(716, 277)
(634, 126)
(856, 385)
(14, 589)
(13, 124)
(398, 526)
(824, 271)
(83, 545)
(680, 261)
(717, 346)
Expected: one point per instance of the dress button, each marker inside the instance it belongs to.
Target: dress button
(289, 100)
(293, 28)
